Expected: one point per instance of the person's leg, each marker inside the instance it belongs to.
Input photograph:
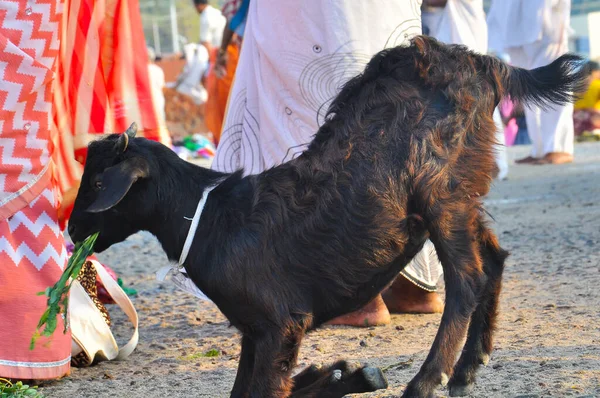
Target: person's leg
(32, 256)
(500, 147)
(523, 59)
(522, 137)
(533, 116)
(413, 291)
(32, 250)
(373, 314)
(556, 134)
(406, 297)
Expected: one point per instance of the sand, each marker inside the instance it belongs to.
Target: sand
(548, 339)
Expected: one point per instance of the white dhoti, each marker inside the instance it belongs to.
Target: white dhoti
(294, 60)
(500, 148)
(459, 22)
(534, 33)
(550, 130)
(463, 22)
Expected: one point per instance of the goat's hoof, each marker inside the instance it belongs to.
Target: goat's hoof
(484, 359)
(445, 379)
(374, 378)
(336, 376)
(460, 390)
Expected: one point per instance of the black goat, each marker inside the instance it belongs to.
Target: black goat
(405, 154)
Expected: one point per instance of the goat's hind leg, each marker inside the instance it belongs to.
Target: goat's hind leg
(479, 343)
(452, 234)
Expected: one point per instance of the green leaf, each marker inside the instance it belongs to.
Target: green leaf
(58, 295)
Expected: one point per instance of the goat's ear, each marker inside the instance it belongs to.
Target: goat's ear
(116, 182)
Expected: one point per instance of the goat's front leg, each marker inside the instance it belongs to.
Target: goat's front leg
(337, 381)
(245, 368)
(463, 275)
(275, 357)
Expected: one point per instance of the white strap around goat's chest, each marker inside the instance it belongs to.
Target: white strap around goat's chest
(177, 271)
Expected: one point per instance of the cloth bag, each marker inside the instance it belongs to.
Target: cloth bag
(90, 323)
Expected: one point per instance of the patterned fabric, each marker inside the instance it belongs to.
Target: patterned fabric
(28, 50)
(87, 279)
(101, 292)
(218, 93)
(102, 81)
(286, 79)
(294, 59)
(32, 252)
(32, 257)
(230, 8)
(102, 84)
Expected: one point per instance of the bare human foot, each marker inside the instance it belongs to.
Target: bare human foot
(404, 297)
(556, 158)
(373, 314)
(527, 160)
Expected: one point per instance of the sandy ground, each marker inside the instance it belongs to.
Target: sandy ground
(548, 340)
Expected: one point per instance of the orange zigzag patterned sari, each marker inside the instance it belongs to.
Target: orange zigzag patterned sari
(65, 77)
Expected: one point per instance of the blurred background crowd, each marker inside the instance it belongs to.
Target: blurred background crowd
(180, 37)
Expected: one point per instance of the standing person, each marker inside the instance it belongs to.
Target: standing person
(586, 116)
(535, 33)
(157, 86)
(212, 23)
(102, 85)
(295, 58)
(191, 80)
(32, 249)
(220, 79)
(52, 104)
(463, 22)
(457, 22)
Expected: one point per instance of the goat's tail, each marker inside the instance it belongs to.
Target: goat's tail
(557, 83)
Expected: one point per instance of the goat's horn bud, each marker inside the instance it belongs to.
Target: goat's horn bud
(132, 130)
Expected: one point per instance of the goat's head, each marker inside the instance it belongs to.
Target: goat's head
(116, 166)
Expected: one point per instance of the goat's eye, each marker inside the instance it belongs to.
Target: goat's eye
(98, 185)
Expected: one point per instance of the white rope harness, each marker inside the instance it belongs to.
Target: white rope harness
(178, 271)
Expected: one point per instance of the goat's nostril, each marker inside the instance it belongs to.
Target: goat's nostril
(71, 230)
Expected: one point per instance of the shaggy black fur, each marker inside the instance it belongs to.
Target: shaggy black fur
(404, 155)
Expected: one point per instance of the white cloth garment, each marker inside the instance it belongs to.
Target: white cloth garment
(295, 57)
(463, 22)
(459, 22)
(431, 17)
(212, 24)
(196, 64)
(500, 149)
(157, 85)
(534, 33)
(519, 22)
